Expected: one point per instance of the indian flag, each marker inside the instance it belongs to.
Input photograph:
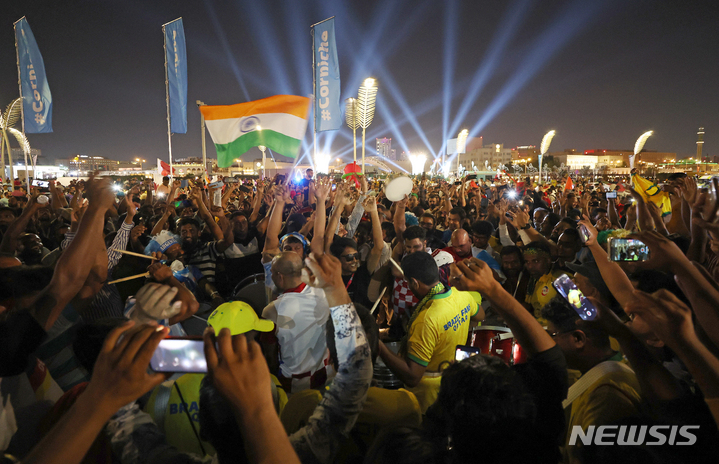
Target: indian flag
(278, 122)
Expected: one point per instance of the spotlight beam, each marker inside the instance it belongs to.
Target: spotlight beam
(558, 34)
(450, 45)
(510, 23)
(226, 48)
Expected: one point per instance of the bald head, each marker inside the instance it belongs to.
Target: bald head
(287, 270)
(461, 243)
(288, 263)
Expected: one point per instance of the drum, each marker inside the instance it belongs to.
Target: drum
(481, 337)
(252, 291)
(382, 375)
(497, 341)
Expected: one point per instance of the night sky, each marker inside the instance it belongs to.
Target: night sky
(599, 72)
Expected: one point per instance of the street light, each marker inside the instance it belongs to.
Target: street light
(418, 161)
(140, 161)
(461, 145)
(352, 121)
(543, 148)
(262, 149)
(366, 99)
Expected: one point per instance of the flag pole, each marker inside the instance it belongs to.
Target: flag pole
(167, 101)
(22, 111)
(314, 96)
(202, 128)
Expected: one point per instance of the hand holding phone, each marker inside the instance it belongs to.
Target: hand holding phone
(463, 352)
(180, 354)
(569, 291)
(628, 249)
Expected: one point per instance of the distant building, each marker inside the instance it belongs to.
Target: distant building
(491, 155)
(384, 149)
(87, 164)
(646, 156)
(700, 142)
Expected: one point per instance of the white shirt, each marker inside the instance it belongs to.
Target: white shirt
(300, 319)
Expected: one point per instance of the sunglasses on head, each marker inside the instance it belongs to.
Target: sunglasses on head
(351, 257)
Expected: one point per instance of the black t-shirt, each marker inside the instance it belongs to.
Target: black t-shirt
(20, 335)
(358, 285)
(544, 376)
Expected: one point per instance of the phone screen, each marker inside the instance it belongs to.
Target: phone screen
(583, 233)
(179, 355)
(574, 296)
(40, 183)
(611, 195)
(628, 249)
(463, 352)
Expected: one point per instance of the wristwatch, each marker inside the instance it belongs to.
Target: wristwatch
(526, 226)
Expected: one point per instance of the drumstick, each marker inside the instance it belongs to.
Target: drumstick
(146, 274)
(378, 300)
(397, 266)
(132, 253)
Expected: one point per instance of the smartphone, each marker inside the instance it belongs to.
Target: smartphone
(230, 180)
(583, 233)
(586, 310)
(628, 249)
(40, 183)
(180, 354)
(611, 195)
(463, 352)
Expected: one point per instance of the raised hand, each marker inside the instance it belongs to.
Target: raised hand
(326, 271)
(121, 373)
(370, 204)
(239, 371)
(586, 222)
(473, 275)
(665, 314)
(154, 302)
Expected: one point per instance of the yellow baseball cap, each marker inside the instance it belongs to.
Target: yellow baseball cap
(239, 317)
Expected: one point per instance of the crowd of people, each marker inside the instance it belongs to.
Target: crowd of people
(331, 320)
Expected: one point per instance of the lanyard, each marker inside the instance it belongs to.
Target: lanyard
(350, 281)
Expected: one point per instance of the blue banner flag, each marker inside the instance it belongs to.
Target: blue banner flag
(328, 115)
(36, 96)
(176, 69)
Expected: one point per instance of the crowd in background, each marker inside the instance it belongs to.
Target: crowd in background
(305, 290)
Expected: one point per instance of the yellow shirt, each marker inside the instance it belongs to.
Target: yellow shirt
(543, 292)
(611, 398)
(173, 420)
(382, 408)
(440, 327)
(434, 336)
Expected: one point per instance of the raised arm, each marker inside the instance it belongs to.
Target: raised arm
(341, 200)
(76, 262)
(318, 239)
(257, 203)
(9, 240)
(370, 205)
(476, 275)
(272, 241)
(613, 275)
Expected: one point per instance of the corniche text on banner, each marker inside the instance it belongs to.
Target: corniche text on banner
(176, 75)
(328, 115)
(36, 96)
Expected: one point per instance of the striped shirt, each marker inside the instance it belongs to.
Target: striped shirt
(204, 258)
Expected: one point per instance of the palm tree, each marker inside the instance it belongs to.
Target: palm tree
(7, 121)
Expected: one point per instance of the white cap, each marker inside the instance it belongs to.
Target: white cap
(43, 199)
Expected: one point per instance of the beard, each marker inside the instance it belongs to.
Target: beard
(188, 246)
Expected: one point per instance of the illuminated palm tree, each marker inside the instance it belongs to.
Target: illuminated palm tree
(8, 119)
